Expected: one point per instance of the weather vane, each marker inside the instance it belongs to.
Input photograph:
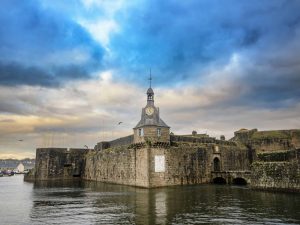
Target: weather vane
(150, 78)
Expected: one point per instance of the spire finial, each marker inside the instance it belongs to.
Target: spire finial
(150, 78)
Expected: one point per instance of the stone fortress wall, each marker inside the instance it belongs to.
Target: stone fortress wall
(188, 159)
(184, 164)
(58, 163)
(277, 171)
(277, 158)
(276, 140)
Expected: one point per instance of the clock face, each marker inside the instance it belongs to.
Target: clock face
(149, 111)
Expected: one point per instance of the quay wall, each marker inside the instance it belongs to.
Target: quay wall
(278, 176)
(277, 171)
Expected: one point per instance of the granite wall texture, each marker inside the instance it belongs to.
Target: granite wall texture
(284, 176)
(277, 171)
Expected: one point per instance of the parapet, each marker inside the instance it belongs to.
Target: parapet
(198, 138)
(127, 140)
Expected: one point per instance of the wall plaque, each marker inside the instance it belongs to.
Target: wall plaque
(159, 163)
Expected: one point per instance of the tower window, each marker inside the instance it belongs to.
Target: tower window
(158, 132)
(141, 132)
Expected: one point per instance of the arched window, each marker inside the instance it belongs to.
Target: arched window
(217, 164)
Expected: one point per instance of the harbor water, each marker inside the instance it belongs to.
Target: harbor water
(98, 203)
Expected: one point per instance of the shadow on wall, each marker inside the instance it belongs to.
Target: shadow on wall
(236, 181)
(219, 180)
(239, 181)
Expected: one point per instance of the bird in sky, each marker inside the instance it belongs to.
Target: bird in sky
(20, 140)
(120, 123)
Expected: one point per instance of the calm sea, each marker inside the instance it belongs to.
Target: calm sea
(98, 203)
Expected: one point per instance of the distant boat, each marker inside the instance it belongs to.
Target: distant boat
(7, 173)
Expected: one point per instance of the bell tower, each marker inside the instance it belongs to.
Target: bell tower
(151, 128)
(150, 93)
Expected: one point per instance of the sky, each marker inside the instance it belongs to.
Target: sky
(70, 71)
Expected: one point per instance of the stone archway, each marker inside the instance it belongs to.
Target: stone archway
(219, 180)
(239, 181)
(217, 164)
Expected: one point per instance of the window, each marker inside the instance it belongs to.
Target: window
(141, 132)
(158, 132)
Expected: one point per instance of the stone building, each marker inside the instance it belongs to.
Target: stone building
(152, 157)
(151, 128)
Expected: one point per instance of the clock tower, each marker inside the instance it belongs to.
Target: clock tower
(151, 127)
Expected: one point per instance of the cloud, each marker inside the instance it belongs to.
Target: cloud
(101, 30)
(85, 112)
(43, 47)
(183, 41)
(82, 112)
(69, 72)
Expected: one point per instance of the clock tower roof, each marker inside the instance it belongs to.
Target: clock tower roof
(150, 91)
(151, 122)
(150, 113)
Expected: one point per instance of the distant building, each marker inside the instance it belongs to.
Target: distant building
(20, 168)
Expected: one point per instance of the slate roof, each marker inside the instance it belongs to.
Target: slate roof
(145, 122)
(150, 91)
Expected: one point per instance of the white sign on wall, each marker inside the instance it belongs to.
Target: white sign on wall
(159, 163)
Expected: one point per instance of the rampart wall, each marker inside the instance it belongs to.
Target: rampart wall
(120, 165)
(184, 164)
(59, 163)
(268, 141)
(195, 139)
(277, 171)
(185, 160)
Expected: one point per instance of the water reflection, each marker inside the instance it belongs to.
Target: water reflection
(161, 207)
(98, 203)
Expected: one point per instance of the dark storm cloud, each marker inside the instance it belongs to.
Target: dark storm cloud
(39, 46)
(180, 39)
(272, 89)
(16, 74)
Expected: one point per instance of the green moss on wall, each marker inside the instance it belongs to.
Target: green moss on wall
(275, 134)
(276, 156)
